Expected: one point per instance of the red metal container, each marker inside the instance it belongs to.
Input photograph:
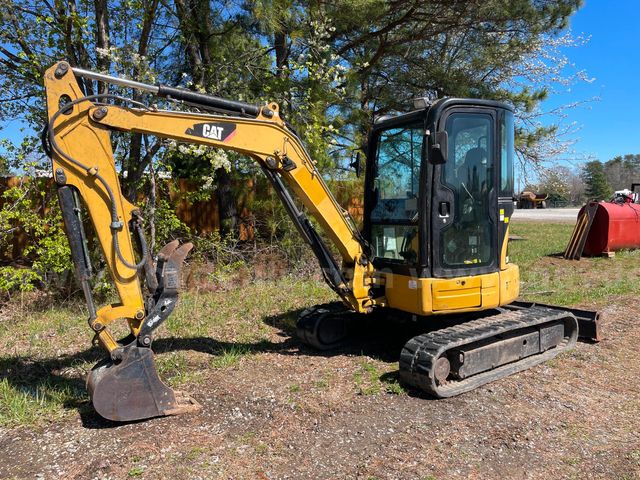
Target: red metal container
(615, 226)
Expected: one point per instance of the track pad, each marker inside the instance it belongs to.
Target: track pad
(130, 388)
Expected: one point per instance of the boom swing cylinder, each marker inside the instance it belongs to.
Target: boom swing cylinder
(434, 239)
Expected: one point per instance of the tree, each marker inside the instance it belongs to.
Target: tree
(576, 187)
(112, 36)
(596, 181)
(622, 171)
(332, 65)
(554, 183)
(489, 49)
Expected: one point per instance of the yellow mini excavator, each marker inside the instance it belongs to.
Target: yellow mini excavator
(438, 200)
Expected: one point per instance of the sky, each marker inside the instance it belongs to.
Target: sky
(609, 126)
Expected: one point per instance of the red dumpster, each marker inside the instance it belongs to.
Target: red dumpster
(615, 226)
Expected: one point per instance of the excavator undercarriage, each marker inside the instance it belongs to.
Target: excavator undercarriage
(433, 247)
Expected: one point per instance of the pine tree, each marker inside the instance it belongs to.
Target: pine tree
(596, 181)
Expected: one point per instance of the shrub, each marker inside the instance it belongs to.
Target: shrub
(31, 209)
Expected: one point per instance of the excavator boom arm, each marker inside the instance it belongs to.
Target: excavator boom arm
(268, 142)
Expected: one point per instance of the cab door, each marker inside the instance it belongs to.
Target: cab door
(464, 216)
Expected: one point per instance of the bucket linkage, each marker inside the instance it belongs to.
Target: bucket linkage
(126, 385)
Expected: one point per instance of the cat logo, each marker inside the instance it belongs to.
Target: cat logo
(212, 131)
(220, 132)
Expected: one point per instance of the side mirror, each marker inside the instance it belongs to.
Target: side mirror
(356, 164)
(438, 151)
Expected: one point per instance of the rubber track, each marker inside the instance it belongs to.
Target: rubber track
(419, 354)
(310, 324)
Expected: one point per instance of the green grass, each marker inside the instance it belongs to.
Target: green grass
(230, 356)
(547, 277)
(295, 388)
(174, 367)
(373, 377)
(136, 471)
(367, 379)
(45, 352)
(30, 404)
(635, 456)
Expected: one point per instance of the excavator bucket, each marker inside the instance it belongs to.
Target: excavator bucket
(129, 388)
(126, 386)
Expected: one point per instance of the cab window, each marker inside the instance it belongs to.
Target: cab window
(394, 217)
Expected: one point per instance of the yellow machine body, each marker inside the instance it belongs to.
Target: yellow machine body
(442, 296)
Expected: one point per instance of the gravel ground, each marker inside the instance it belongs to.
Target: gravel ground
(289, 413)
(553, 215)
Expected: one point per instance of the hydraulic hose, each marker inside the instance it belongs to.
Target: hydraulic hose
(93, 171)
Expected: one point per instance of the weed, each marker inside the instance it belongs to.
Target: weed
(136, 471)
(247, 437)
(195, 452)
(261, 448)
(230, 356)
(322, 384)
(367, 379)
(573, 461)
(370, 381)
(295, 388)
(394, 387)
(577, 431)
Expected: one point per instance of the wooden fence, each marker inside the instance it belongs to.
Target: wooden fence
(201, 216)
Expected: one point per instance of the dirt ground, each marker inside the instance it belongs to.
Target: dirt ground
(288, 412)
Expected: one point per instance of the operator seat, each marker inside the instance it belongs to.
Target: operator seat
(473, 171)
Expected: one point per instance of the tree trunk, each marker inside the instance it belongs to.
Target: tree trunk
(134, 170)
(195, 24)
(102, 40)
(137, 163)
(186, 26)
(227, 209)
(152, 208)
(281, 47)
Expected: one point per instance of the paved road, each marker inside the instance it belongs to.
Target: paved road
(557, 215)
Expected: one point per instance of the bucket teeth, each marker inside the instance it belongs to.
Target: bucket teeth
(130, 389)
(166, 251)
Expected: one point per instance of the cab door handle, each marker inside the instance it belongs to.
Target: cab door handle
(444, 209)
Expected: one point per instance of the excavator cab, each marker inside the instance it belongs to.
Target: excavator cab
(439, 187)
